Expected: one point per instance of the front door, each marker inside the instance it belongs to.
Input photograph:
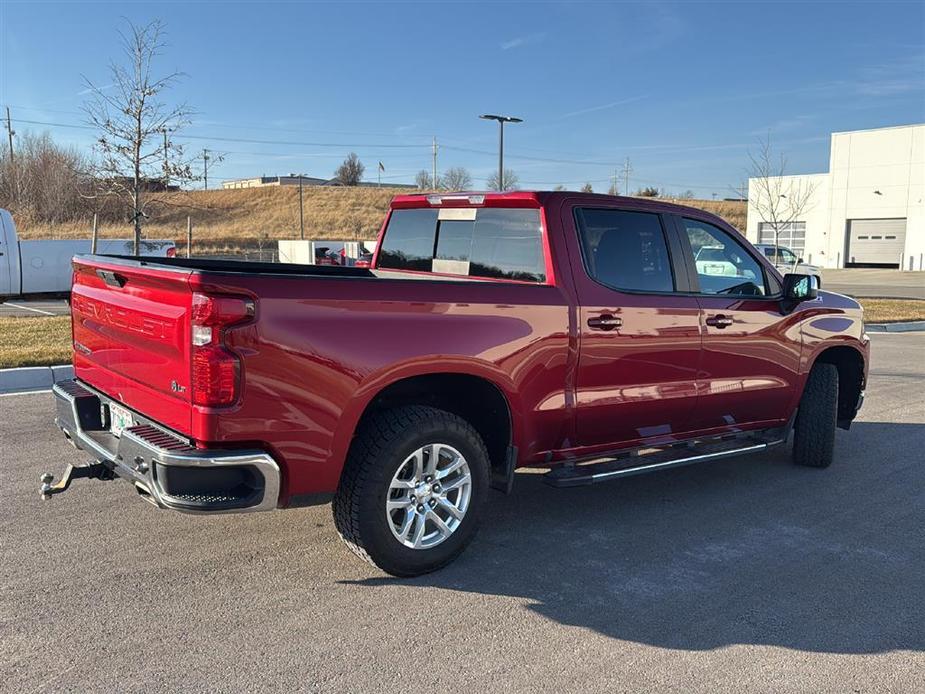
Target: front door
(751, 350)
(639, 338)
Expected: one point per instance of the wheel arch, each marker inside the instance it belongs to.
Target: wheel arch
(852, 377)
(485, 399)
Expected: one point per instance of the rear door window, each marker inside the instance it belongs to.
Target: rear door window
(626, 250)
(499, 243)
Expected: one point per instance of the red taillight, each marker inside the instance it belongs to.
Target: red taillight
(215, 369)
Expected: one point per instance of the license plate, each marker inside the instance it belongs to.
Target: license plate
(119, 419)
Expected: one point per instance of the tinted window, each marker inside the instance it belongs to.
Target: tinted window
(723, 264)
(508, 244)
(409, 240)
(454, 240)
(498, 243)
(626, 250)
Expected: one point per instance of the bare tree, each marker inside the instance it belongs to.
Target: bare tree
(587, 188)
(136, 154)
(350, 172)
(778, 199)
(424, 180)
(648, 192)
(457, 178)
(509, 183)
(613, 189)
(46, 182)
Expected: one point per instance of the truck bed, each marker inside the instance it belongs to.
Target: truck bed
(249, 267)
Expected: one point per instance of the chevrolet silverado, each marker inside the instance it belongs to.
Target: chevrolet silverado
(572, 332)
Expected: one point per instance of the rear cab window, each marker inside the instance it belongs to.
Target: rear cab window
(480, 242)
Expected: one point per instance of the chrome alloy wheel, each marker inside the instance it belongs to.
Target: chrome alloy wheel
(428, 496)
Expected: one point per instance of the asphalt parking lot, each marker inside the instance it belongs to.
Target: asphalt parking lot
(35, 307)
(873, 283)
(746, 574)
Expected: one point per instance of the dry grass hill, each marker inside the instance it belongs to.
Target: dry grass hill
(228, 221)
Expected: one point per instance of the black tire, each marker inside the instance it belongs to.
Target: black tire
(384, 442)
(814, 429)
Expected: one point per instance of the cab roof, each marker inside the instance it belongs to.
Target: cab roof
(543, 198)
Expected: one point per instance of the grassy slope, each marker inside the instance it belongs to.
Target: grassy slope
(230, 219)
(42, 341)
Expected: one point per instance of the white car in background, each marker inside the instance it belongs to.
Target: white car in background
(43, 266)
(712, 260)
(786, 261)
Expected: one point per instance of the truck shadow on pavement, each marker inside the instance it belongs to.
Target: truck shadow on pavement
(743, 551)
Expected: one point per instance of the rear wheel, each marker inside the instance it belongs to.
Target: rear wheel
(814, 429)
(410, 495)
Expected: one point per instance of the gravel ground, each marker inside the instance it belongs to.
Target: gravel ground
(746, 574)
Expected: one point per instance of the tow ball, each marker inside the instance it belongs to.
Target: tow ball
(97, 471)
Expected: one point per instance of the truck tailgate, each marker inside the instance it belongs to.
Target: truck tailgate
(131, 329)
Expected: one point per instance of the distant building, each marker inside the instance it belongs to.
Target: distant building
(150, 185)
(264, 181)
(867, 211)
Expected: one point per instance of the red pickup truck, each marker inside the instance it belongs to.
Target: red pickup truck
(573, 332)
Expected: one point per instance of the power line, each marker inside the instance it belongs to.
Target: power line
(210, 138)
(295, 143)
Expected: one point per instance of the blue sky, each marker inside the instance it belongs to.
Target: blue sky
(682, 89)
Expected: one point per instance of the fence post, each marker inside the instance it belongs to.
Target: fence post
(93, 236)
(189, 236)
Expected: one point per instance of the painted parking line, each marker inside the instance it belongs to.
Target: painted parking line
(29, 308)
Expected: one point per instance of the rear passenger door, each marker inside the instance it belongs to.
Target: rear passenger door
(639, 335)
(751, 352)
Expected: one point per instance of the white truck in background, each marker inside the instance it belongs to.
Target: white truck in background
(44, 266)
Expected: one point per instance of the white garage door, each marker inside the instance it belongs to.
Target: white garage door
(791, 235)
(876, 241)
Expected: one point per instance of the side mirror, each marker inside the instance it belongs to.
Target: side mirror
(800, 287)
(799, 261)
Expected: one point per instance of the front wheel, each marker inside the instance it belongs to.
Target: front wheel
(814, 429)
(410, 496)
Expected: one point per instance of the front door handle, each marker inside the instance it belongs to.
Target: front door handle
(719, 321)
(605, 321)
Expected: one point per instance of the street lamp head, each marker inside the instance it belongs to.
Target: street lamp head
(501, 119)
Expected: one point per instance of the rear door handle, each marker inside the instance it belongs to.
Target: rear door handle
(605, 321)
(719, 321)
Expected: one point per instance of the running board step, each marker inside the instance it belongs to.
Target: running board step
(626, 466)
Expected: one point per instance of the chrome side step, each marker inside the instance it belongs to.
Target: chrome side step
(572, 475)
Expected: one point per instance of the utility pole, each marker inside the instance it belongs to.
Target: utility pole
(616, 191)
(434, 180)
(10, 132)
(205, 169)
(627, 170)
(166, 164)
(301, 218)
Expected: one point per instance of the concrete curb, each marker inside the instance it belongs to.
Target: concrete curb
(907, 327)
(28, 378)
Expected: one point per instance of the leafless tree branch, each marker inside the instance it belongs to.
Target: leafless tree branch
(135, 150)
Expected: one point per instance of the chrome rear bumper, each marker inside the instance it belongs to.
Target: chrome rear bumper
(165, 469)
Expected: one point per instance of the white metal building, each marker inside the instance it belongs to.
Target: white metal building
(867, 211)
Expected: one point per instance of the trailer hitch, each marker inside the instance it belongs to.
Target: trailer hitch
(95, 470)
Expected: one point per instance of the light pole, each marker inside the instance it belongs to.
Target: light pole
(501, 121)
